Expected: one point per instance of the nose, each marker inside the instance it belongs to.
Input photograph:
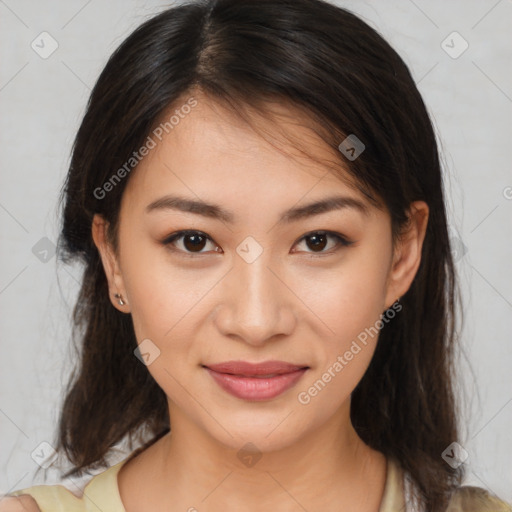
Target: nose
(256, 306)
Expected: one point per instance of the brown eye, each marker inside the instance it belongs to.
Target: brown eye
(194, 243)
(322, 242)
(316, 242)
(190, 242)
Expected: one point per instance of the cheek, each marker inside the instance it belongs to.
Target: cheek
(159, 294)
(163, 303)
(170, 305)
(349, 302)
(347, 298)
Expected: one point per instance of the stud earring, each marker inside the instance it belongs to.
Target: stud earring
(119, 298)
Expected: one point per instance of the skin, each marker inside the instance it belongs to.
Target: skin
(290, 304)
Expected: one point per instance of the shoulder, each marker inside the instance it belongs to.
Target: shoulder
(102, 490)
(41, 498)
(23, 503)
(475, 499)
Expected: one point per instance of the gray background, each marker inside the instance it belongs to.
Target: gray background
(469, 95)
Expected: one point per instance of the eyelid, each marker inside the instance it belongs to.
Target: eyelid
(178, 234)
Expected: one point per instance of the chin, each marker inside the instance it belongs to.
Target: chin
(267, 431)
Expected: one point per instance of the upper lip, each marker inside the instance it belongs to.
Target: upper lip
(246, 369)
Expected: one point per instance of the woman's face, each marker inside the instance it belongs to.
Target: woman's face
(261, 275)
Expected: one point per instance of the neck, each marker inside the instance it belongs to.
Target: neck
(327, 469)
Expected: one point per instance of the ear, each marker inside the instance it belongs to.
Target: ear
(110, 263)
(407, 252)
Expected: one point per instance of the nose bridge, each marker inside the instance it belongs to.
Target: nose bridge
(257, 298)
(254, 307)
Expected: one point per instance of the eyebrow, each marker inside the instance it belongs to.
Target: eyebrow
(171, 202)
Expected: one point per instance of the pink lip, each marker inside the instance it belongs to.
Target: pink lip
(260, 381)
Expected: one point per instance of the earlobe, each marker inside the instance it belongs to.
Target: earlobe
(110, 263)
(407, 253)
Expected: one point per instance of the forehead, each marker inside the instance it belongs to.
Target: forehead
(209, 151)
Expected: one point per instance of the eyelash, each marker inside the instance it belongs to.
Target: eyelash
(341, 242)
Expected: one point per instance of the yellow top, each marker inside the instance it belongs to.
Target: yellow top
(102, 493)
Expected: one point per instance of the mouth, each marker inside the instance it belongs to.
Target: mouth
(256, 381)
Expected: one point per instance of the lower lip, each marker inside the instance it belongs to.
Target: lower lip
(256, 389)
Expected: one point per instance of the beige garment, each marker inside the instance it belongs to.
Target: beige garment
(102, 493)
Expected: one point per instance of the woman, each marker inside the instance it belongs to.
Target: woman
(268, 300)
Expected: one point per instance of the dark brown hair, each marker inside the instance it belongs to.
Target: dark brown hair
(327, 62)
